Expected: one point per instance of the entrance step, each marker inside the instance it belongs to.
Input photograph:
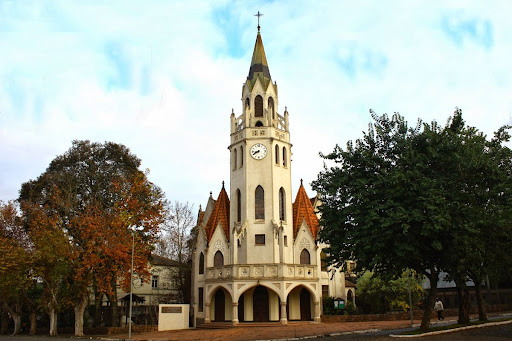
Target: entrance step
(229, 324)
(215, 325)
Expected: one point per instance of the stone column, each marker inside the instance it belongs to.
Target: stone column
(284, 320)
(317, 311)
(235, 313)
(207, 313)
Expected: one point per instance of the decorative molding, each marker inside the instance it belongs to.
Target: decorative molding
(230, 286)
(304, 244)
(272, 271)
(244, 271)
(290, 271)
(313, 285)
(278, 285)
(240, 285)
(258, 271)
(219, 246)
(288, 285)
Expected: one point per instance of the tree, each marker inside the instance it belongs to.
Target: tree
(176, 243)
(97, 197)
(15, 265)
(397, 198)
(377, 294)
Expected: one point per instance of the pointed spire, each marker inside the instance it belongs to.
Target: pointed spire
(219, 215)
(259, 65)
(303, 211)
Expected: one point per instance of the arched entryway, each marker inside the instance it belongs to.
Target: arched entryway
(299, 304)
(220, 306)
(260, 304)
(305, 305)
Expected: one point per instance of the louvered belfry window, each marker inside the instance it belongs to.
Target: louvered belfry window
(259, 207)
(271, 108)
(281, 204)
(258, 106)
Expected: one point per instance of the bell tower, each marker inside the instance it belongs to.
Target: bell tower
(260, 171)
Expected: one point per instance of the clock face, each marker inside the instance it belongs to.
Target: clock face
(258, 151)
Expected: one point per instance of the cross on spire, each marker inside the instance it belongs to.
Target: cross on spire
(258, 15)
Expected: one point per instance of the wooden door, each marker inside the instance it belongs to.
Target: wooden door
(260, 304)
(305, 305)
(220, 306)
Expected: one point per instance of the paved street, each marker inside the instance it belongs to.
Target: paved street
(495, 333)
(360, 331)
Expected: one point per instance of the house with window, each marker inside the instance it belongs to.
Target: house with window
(160, 288)
(257, 257)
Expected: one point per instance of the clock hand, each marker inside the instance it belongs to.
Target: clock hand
(256, 152)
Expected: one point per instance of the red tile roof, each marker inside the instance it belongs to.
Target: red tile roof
(303, 210)
(220, 214)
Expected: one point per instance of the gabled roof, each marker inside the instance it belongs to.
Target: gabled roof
(220, 214)
(303, 211)
(159, 260)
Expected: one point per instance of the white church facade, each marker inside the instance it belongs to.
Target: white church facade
(256, 257)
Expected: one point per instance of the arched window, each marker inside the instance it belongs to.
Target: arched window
(259, 206)
(241, 156)
(285, 156)
(277, 154)
(259, 124)
(304, 257)
(258, 106)
(271, 108)
(235, 161)
(282, 207)
(218, 259)
(248, 103)
(238, 206)
(201, 263)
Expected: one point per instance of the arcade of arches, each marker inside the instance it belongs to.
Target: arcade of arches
(261, 304)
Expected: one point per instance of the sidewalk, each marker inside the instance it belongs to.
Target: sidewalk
(292, 330)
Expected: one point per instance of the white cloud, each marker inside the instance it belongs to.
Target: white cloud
(162, 78)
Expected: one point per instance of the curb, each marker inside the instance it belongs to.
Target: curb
(437, 332)
(365, 331)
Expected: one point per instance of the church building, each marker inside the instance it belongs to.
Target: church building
(256, 255)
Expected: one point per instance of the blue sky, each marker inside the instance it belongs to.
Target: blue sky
(162, 77)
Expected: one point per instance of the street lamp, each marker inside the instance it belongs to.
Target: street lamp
(131, 288)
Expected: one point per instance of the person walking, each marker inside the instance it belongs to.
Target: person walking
(438, 306)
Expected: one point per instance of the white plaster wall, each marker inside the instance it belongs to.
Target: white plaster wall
(172, 321)
(273, 305)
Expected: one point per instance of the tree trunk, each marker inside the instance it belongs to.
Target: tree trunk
(482, 314)
(17, 322)
(113, 303)
(52, 313)
(79, 309)
(431, 300)
(33, 322)
(463, 293)
(15, 311)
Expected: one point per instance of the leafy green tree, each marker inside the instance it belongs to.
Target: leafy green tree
(403, 198)
(377, 294)
(97, 197)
